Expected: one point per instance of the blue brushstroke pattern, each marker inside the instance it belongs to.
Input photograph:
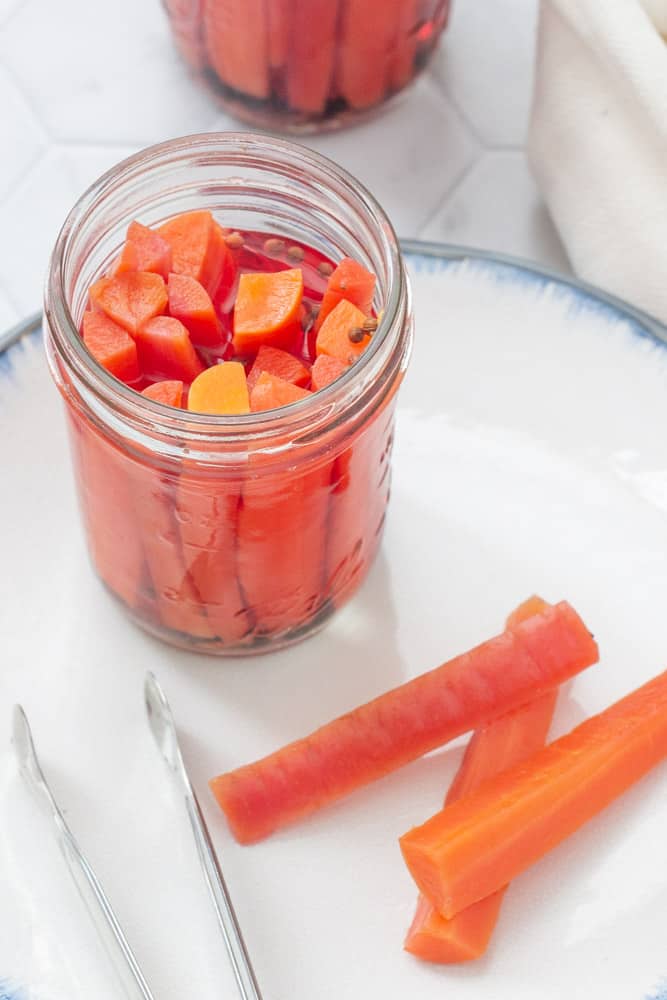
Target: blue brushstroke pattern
(9, 992)
(660, 993)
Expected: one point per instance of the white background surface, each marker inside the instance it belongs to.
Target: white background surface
(84, 83)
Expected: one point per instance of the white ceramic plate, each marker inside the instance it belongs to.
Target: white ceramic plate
(531, 456)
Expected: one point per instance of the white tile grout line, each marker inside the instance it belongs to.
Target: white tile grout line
(465, 119)
(27, 97)
(9, 14)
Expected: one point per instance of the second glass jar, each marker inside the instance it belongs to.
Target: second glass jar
(306, 65)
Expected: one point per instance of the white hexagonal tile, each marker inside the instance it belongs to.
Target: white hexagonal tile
(485, 64)
(407, 156)
(8, 314)
(497, 206)
(24, 136)
(103, 73)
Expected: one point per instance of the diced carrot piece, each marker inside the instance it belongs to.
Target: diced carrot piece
(199, 250)
(310, 66)
(350, 281)
(402, 65)
(166, 351)
(282, 364)
(491, 750)
(144, 250)
(111, 346)
(270, 392)
(333, 337)
(365, 49)
(191, 304)
(237, 42)
(475, 846)
(279, 31)
(267, 310)
(467, 692)
(131, 298)
(221, 389)
(169, 393)
(326, 370)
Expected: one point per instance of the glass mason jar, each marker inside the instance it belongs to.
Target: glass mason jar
(241, 533)
(306, 65)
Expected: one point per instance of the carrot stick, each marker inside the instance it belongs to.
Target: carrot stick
(278, 12)
(490, 751)
(310, 65)
(477, 845)
(237, 42)
(405, 45)
(401, 725)
(365, 50)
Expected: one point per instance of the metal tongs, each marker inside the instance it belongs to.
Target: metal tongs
(101, 912)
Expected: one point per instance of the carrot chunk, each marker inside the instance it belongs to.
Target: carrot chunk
(267, 309)
(270, 392)
(352, 282)
(282, 364)
(405, 723)
(111, 346)
(326, 370)
(221, 389)
(475, 846)
(199, 250)
(130, 299)
(238, 44)
(169, 393)
(339, 334)
(166, 351)
(491, 750)
(191, 304)
(144, 250)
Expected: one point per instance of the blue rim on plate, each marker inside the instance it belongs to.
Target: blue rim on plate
(443, 254)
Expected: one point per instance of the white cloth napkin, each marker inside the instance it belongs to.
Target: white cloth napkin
(598, 140)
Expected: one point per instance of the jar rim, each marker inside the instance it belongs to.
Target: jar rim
(305, 413)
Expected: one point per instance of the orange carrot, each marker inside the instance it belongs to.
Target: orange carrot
(326, 370)
(338, 335)
(279, 31)
(191, 304)
(267, 309)
(169, 393)
(130, 299)
(477, 845)
(199, 250)
(402, 66)
(491, 750)
(221, 389)
(144, 250)
(111, 346)
(350, 280)
(238, 44)
(166, 351)
(282, 364)
(401, 725)
(270, 392)
(365, 51)
(310, 66)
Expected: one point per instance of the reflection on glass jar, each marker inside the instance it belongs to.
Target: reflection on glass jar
(306, 64)
(241, 533)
